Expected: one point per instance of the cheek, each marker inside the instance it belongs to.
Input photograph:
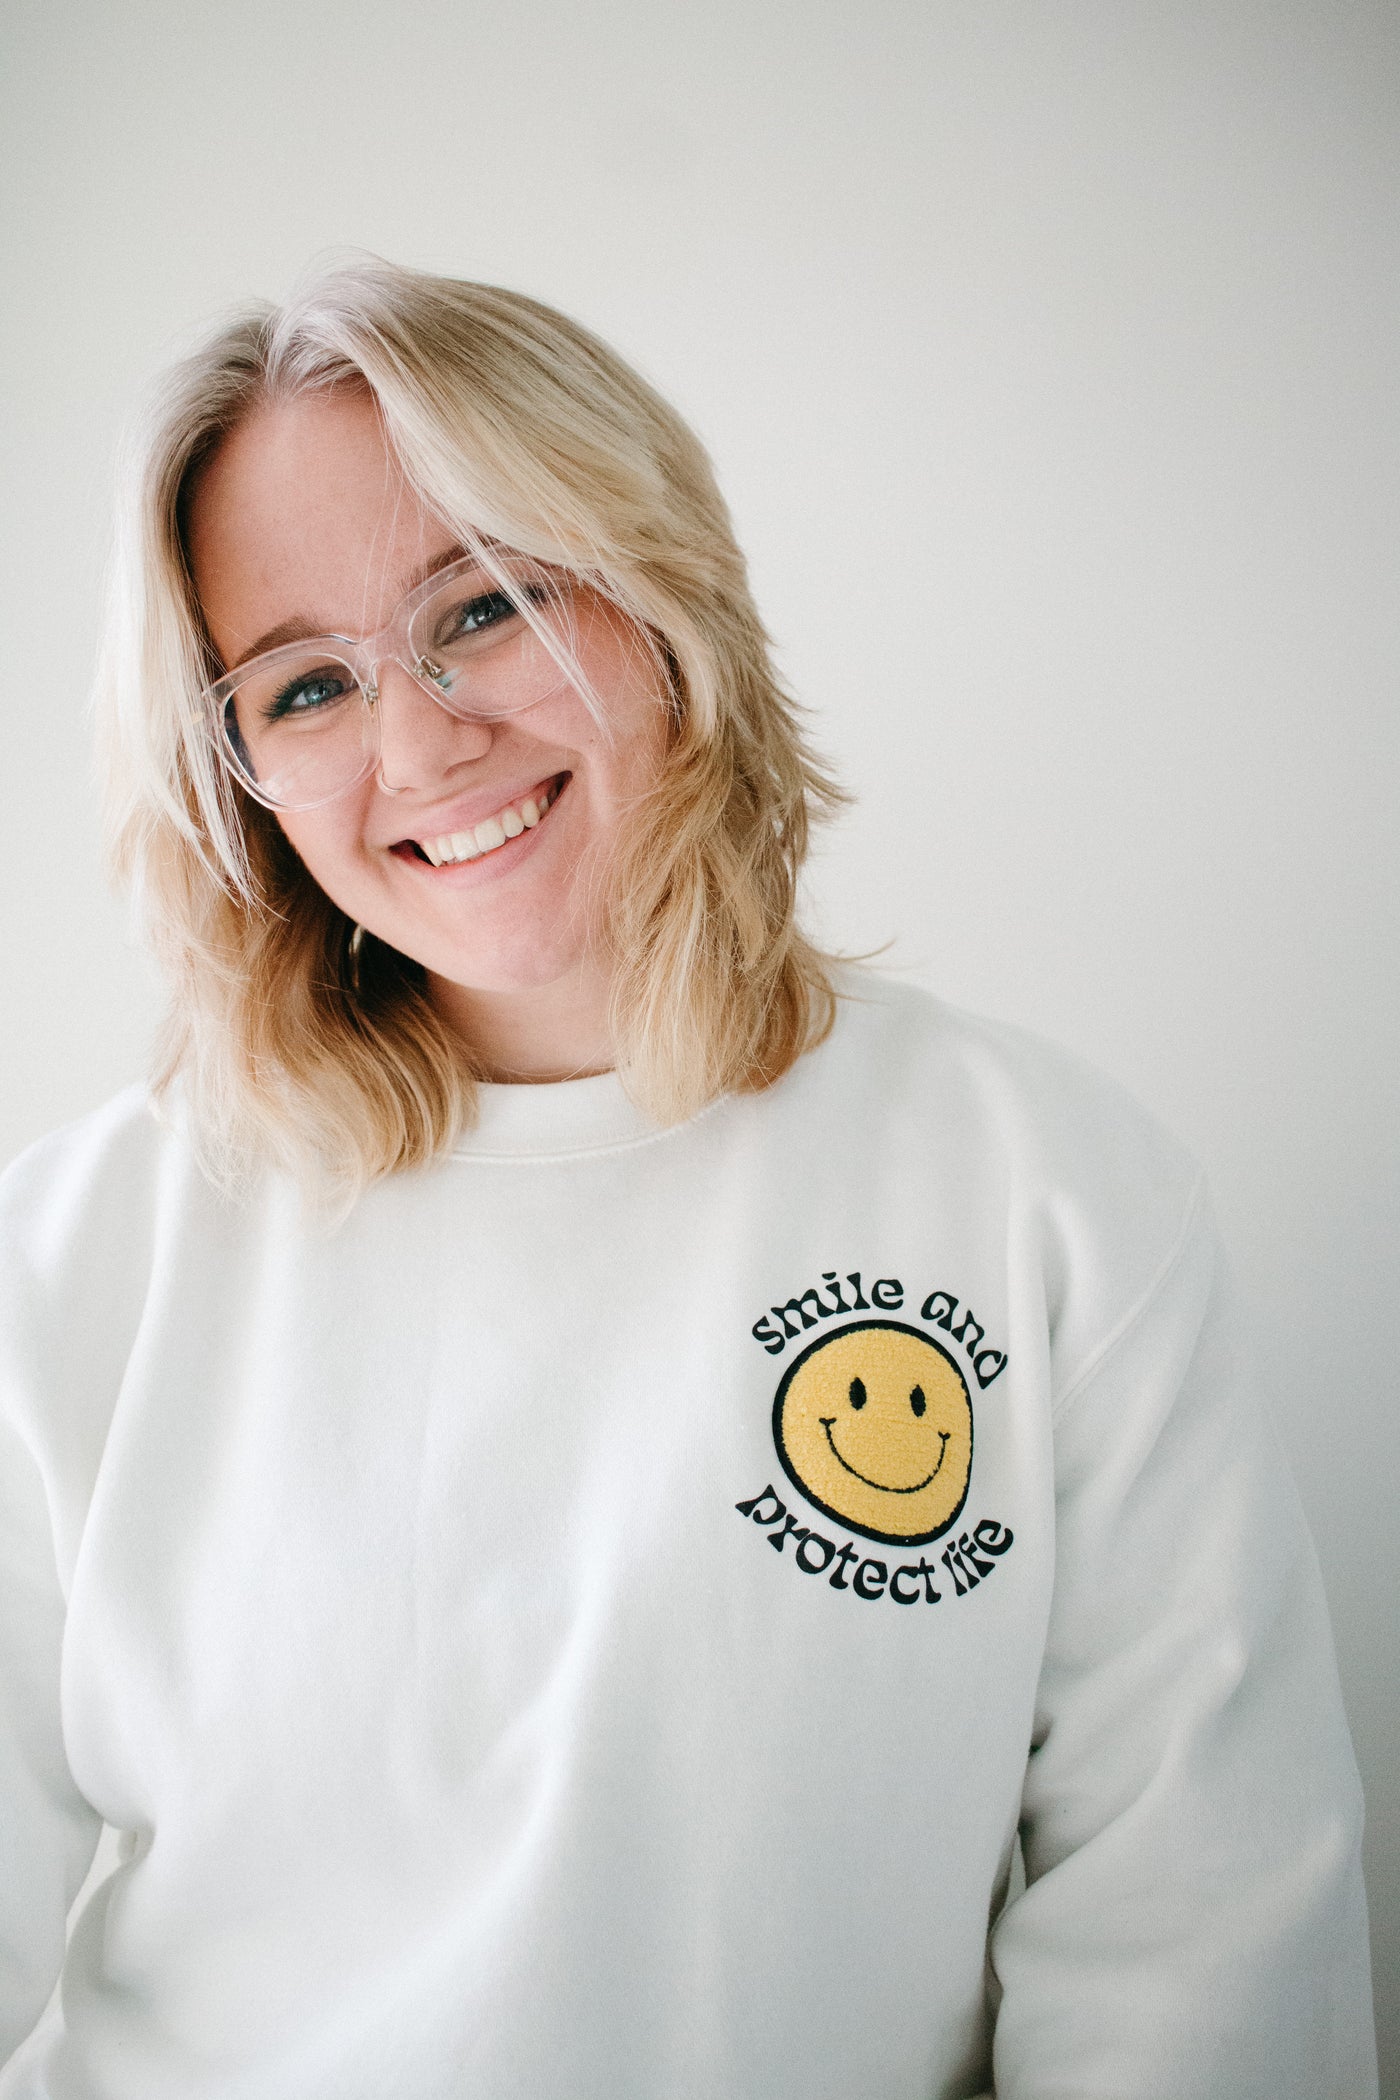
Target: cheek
(327, 847)
(635, 764)
(627, 749)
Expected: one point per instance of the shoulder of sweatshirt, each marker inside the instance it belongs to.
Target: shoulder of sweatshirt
(1028, 1112)
(1093, 1194)
(84, 1179)
(80, 1219)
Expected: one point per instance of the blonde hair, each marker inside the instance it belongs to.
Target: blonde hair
(294, 1036)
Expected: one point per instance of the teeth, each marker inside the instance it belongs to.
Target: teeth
(507, 823)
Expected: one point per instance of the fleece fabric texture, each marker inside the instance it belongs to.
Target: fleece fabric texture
(595, 1621)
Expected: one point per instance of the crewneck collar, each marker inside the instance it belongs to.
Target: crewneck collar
(561, 1117)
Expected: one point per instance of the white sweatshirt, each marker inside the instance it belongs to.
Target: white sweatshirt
(593, 1623)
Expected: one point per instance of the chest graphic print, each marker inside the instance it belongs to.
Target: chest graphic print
(873, 1424)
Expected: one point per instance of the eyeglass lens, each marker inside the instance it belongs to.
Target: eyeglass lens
(298, 726)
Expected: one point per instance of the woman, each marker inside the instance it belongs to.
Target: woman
(578, 1475)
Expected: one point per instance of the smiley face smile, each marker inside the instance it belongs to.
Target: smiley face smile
(828, 1423)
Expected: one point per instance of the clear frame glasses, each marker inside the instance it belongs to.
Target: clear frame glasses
(299, 726)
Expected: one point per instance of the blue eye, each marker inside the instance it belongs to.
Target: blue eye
(308, 693)
(474, 615)
(473, 619)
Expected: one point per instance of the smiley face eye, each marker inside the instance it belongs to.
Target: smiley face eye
(917, 1400)
(857, 1393)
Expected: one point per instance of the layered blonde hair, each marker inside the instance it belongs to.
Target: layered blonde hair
(294, 1036)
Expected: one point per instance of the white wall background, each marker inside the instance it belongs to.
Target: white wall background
(1048, 355)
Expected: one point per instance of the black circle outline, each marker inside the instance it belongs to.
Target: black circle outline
(886, 1538)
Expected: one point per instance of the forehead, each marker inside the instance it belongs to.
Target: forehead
(303, 513)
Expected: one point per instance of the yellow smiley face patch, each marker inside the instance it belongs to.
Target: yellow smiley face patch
(874, 1425)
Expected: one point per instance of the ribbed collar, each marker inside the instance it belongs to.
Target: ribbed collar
(563, 1117)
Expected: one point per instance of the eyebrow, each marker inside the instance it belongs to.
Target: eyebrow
(299, 629)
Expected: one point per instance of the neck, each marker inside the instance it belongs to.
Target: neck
(543, 1033)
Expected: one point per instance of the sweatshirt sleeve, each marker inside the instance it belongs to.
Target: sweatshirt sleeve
(48, 1832)
(72, 1256)
(1193, 1924)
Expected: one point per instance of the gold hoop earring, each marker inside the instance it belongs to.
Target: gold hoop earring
(352, 955)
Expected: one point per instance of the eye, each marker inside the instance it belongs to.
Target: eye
(857, 1393)
(309, 692)
(917, 1400)
(472, 616)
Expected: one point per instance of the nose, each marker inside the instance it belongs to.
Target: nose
(420, 743)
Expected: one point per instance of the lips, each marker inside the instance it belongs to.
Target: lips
(449, 849)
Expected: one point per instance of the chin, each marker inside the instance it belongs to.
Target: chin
(503, 976)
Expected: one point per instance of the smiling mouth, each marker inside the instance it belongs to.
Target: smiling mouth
(827, 1422)
(452, 849)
